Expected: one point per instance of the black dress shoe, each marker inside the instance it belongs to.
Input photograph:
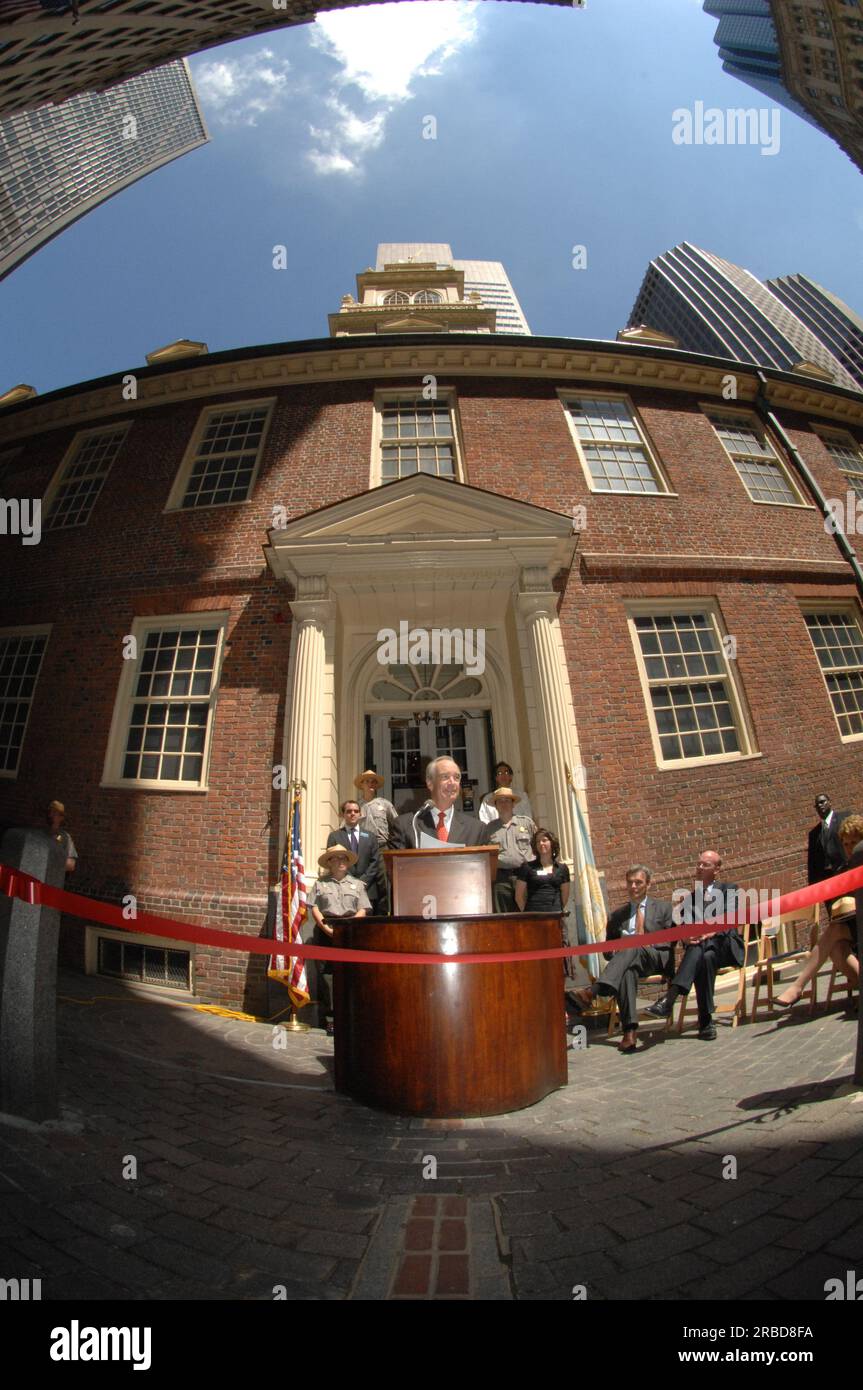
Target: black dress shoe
(708, 1032)
(662, 1008)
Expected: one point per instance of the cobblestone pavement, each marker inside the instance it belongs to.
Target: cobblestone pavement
(253, 1174)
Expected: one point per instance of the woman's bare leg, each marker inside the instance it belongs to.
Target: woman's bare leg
(829, 939)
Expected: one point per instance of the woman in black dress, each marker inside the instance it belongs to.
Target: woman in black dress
(543, 883)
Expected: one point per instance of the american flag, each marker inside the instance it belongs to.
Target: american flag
(292, 971)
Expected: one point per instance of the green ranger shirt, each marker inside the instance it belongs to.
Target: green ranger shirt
(343, 899)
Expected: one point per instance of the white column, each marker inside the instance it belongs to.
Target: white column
(538, 609)
(309, 741)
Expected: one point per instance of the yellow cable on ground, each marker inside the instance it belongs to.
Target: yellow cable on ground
(174, 1003)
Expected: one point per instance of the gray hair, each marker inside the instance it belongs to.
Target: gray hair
(431, 770)
(638, 869)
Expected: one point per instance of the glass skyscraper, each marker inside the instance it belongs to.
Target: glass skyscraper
(749, 48)
(713, 306)
(59, 162)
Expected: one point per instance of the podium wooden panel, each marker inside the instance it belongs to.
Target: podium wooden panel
(449, 1040)
(457, 880)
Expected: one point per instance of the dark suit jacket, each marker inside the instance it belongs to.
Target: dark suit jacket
(726, 907)
(368, 862)
(824, 862)
(465, 830)
(657, 917)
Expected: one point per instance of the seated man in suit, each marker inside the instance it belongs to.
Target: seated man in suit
(825, 855)
(709, 901)
(642, 914)
(361, 843)
(439, 817)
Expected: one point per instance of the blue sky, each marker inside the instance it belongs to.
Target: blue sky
(553, 130)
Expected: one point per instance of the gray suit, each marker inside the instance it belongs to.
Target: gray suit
(626, 968)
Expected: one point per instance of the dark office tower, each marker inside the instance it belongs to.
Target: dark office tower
(806, 55)
(710, 305)
(829, 318)
(59, 162)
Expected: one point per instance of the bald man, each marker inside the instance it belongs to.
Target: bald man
(709, 901)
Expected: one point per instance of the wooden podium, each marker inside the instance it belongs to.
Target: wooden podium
(444, 880)
(448, 1040)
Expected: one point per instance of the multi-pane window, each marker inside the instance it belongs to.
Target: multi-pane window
(427, 297)
(73, 496)
(417, 436)
(226, 456)
(848, 457)
(612, 446)
(690, 686)
(20, 659)
(397, 297)
(838, 643)
(172, 700)
(755, 459)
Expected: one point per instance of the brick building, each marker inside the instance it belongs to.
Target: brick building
(636, 530)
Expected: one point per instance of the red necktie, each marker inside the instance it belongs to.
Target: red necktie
(442, 833)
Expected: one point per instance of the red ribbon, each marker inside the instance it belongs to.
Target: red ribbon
(16, 884)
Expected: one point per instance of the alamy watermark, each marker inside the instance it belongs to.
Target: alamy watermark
(746, 905)
(423, 646)
(21, 516)
(736, 126)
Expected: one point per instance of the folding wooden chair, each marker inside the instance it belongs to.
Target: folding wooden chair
(614, 1011)
(835, 984)
(784, 940)
(689, 1002)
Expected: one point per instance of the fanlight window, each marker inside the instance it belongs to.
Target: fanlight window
(426, 683)
(397, 297)
(427, 297)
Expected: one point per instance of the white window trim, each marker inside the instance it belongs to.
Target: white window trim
(125, 698)
(91, 957)
(709, 408)
(181, 481)
(742, 718)
(37, 630)
(445, 394)
(568, 397)
(849, 609)
(49, 496)
(827, 434)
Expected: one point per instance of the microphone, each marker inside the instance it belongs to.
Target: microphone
(428, 802)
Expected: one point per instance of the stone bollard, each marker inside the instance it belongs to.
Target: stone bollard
(28, 980)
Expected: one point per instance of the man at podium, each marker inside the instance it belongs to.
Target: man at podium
(438, 819)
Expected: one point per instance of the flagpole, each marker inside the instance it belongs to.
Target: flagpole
(293, 1025)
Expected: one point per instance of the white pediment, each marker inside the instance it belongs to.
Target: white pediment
(421, 522)
(410, 325)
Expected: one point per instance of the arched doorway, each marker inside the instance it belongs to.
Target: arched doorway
(419, 712)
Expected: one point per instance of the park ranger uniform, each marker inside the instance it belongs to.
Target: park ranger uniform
(514, 842)
(332, 899)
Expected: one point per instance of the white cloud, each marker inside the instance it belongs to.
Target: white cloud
(381, 50)
(236, 91)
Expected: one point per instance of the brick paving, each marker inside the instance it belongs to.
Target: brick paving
(199, 1157)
